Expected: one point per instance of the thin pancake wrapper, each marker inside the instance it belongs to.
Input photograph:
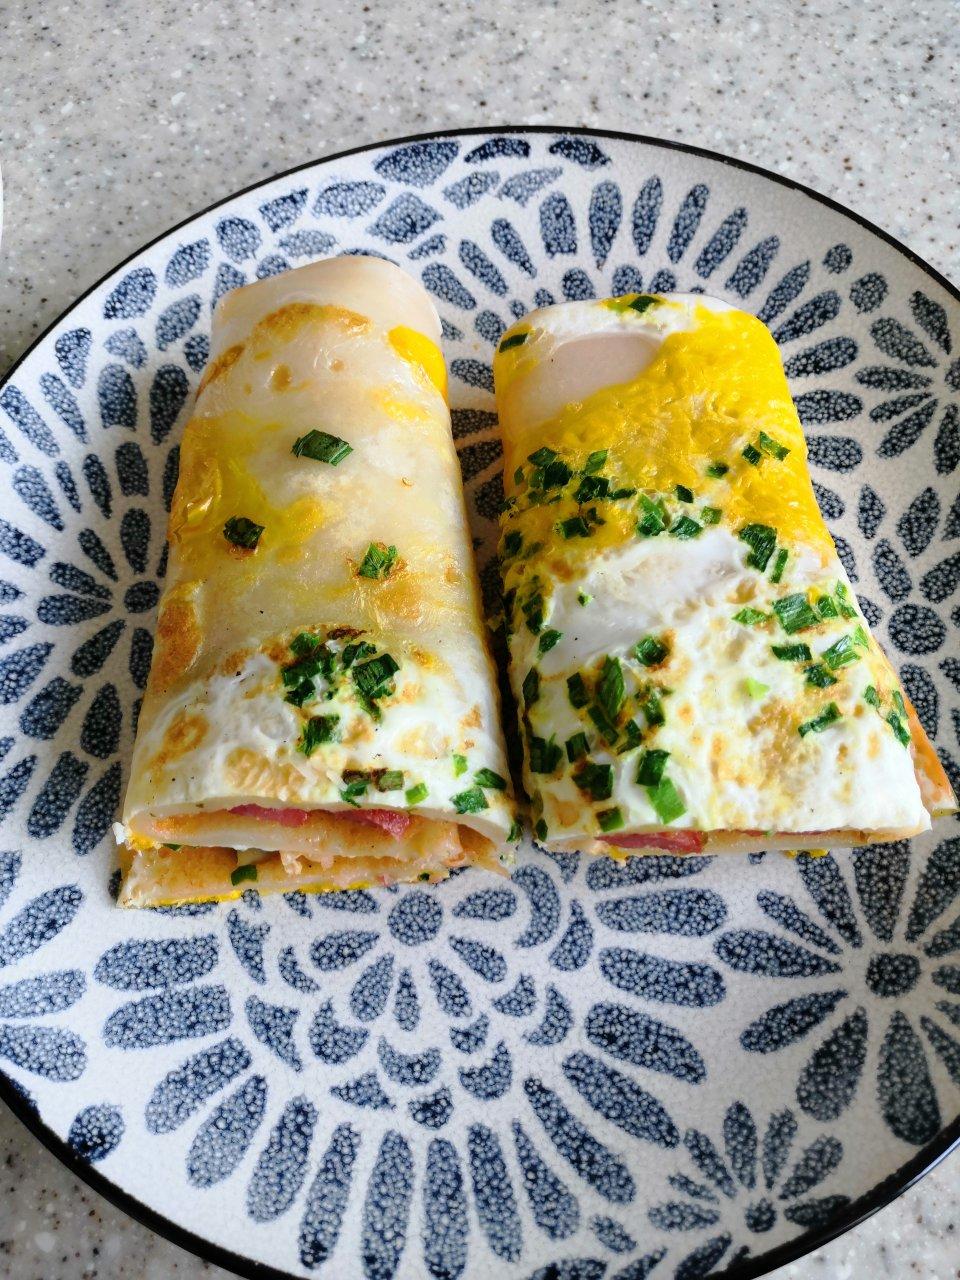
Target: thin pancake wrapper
(322, 708)
(691, 664)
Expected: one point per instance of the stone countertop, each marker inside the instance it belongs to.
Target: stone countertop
(119, 119)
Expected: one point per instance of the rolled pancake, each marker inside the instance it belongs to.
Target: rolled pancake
(321, 700)
(692, 667)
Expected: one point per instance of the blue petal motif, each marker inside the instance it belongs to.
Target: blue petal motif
(937, 889)
(406, 1004)
(470, 1038)
(172, 1016)
(493, 1078)
(441, 281)
(349, 199)
(156, 962)
(223, 1139)
(415, 919)
(404, 219)
(520, 1000)
(72, 350)
(365, 1091)
(95, 1132)
(507, 240)
(664, 981)
(450, 992)
(386, 1208)
(756, 951)
(445, 1222)
(908, 1100)
(544, 902)
(494, 1197)
(829, 1081)
(689, 913)
(417, 163)
(132, 296)
(485, 961)
(555, 1209)
(38, 922)
(328, 1197)
(750, 271)
(618, 1099)
(37, 997)
(182, 1091)
(282, 1165)
(330, 1041)
(487, 904)
(46, 1051)
(557, 226)
(646, 214)
(606, 873)
(339, 950)
(408, 1068)
(188, 263)
(247, 942)
(480, 266)
(432, 1111)
(817, 1162)
(634, 1037)
(786, 1023)
(573, 950)
(721, 244)
(368, 997)
(787, 914)
(273, 1026)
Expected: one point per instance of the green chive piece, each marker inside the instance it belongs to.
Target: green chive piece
(610, 689)
(248, 872)
(772, 447)
(666, 801)
(316, 732)
(870, 695)
(617, 494)
(515, 832)
(577, 691)
(860, 637)
(372, 678)
(901, 732)
(829, 715)
(826, 608)
(243, 532)
(390, 780)
(512, 543)
(594, 462)
(595, 779)
(592, 487)
(819, 676)
(795, 613)
(610, 819)
(841, 653)
(459, 764)
(513, 340)
(652, 708)
(352, 790)
(642, 302)
(654, 518)
(548, 639)
(378, 561)
(518, 476)
(779, 565)
(710, 515)
(490, 780)
(531, 687)
(755, 688)
(717, 470)
(632, 737)
(354, 652)
(305, 643)
(606, 726)
(577, 747)
(174, 847)
(532, 609)
(761, 540)
(684, 527)
(583, 598)
(542, 456)
(683, 493)
(416, 794)
(650, 651)
(792, 652)
(651, 767)
(574, 527)
(556, 474)
(843, 600)
(540, 829)
(544, 756)
(322, 447)
(470, 801)
(752, 455)
(899, 703)
(750, 617)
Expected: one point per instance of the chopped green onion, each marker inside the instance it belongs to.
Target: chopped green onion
(652, 708)
(610, 819)
(174, 847)
(595, 779)
(304, 692)
(717, 470)
(577, 691)
(795, 613)
(899, 703)
(577, 747)
(459, 764)
(666, 801)
(841, 653)
(750, 616)
(826, 608)
(901, 732)
(515, 832)
(654, 518)
(556, 474)
(633, 736)
(683, 493)
(608, 729)
(755, 688)
(512, 543)
(583, 598)
(531, 687)
(316, 731)
(842, 594)
(684, 527)
(574, 527)
(518, 476)
(752, 455)
(492, 781)
(792, 652)
(625, 492)
(322, 447)
(470, 801)
(541, 456)
(390, 780)
(779, 565)
(544, 755)
(416, 794)
(594, 462)
(650, 651)
(761, 540)
(819, 676)
(371, 677)
(610, 689)
(642, 302)
(710, 515)
(354, 652)
(249, 872)
(243, 532)
(513, 340)
(548, 639)
(353, 789)
(305, 643)
(592, 487)
(829, 715)
(860, 637)
(540, 829)
(532, 610)
(378, 561)
(772, 447)
(651, 767)
(870, 695)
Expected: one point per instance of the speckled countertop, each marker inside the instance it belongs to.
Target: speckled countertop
(117, 119)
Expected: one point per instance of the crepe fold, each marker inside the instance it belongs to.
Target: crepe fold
(692, 667)
(322, 709)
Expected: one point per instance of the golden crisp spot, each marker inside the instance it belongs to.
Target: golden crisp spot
(184, 734)
(473, 719)
(178, 637)
(451, 574)
(245, 770)
(407, 484)
(399, 408)
(422, 354)
(248, 388)
(218, 367)
(233, 663)
(335, 366)
(567, 813)
(288, 321)
(281, 378)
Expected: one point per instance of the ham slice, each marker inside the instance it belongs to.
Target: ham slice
(392, 821)
(673, 841)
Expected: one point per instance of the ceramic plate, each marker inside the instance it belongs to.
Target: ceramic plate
(670, 1067)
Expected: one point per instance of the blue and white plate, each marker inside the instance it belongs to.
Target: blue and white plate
(669, 1068)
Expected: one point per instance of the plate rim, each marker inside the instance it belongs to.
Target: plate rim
(896, 1183)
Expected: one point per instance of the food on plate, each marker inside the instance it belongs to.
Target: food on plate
(322, 709)
(692, 667)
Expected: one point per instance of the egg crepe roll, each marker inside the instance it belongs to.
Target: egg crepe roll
(321, 711)
(692, 667)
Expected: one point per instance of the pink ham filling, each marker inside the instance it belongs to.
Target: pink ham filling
(675, 841)
(390, 820)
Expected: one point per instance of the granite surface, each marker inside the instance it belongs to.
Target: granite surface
(117, 119)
